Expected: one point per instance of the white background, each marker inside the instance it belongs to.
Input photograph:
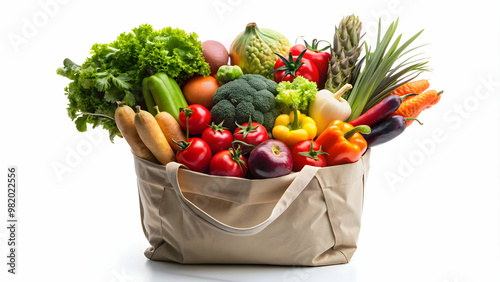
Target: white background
(432, 199)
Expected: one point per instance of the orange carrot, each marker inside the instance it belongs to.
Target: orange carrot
(417, 86)
(434, 102)
(412, 107)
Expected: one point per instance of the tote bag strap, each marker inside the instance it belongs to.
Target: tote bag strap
(300, 182)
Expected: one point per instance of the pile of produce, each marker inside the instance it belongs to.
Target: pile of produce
(261, 109)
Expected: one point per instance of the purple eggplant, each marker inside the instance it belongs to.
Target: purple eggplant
(386, 130)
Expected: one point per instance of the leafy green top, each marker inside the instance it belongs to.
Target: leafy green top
(386, 68)
(114, 72)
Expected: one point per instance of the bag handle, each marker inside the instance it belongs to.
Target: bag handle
(302, 179)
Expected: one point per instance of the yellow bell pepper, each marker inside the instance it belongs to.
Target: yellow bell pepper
(291, 130)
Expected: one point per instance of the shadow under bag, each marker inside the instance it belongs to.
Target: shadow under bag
(309, 218)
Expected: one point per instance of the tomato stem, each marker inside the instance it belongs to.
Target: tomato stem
(242, 143)
(291, 66)
(217, 127)
(183, 144)
(246, 129)
(313, 154)
(236, 153)
(187, 113)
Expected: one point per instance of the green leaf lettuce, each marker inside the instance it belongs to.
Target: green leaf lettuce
(115, 70)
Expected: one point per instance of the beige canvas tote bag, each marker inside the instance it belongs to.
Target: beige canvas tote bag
(309, 218)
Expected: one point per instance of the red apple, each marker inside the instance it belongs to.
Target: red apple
(271, 158)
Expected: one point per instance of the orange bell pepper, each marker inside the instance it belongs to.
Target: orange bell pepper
(342, 142)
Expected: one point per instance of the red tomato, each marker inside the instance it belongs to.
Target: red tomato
(199, 119)
(227, 163)
(319, 58)
(251, 133)
(217, 137)
(307, 152)
(287, 70)
(195, 154)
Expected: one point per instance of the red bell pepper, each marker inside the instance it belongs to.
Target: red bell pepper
(319, 57)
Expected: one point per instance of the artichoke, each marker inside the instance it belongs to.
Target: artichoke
(254, 50)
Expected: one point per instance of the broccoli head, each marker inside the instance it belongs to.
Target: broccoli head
(223, 111)
(250, 95)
